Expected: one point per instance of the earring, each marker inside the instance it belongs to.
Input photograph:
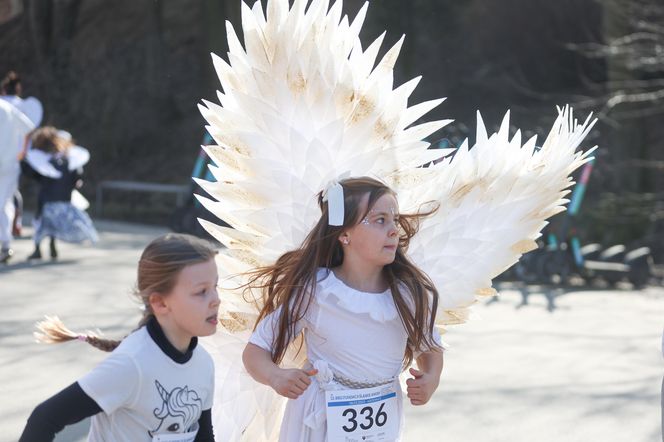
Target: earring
(345, 241)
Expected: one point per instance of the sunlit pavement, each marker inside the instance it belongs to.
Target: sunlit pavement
(570, 366)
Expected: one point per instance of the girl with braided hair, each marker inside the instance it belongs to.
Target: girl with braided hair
(158, 383)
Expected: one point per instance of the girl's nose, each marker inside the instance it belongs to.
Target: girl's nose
(215, 298)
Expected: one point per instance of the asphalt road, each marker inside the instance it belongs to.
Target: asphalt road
(567, 366)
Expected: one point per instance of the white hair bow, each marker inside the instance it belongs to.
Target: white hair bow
(334, 195)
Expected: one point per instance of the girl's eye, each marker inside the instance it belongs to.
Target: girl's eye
(380, 220)
(202, 292)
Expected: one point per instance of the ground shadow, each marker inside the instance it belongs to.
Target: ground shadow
(549, 292)
(35, 264)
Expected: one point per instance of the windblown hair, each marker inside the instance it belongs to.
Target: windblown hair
(158, 270)
(290, 283)
(47, 139)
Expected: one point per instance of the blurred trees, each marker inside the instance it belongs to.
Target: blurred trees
(125, 76)
(629, 202)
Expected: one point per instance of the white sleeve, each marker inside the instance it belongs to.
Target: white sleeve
(209, 400)
(266, 330)
(113, 383)
(436, 337)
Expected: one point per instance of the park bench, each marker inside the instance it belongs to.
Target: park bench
(180, 191)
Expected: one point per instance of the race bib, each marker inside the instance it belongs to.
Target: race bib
(369, 414)
(175, 437)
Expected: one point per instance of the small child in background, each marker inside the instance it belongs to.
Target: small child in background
(158, 383)
(57, 164)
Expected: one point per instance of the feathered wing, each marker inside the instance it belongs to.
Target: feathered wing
(302, 104)
(494, 199)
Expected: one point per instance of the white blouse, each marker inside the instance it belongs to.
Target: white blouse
(349, 333)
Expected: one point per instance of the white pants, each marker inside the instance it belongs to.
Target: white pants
(8, 185)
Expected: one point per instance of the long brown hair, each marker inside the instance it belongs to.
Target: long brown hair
(290, 282)
(158, 269)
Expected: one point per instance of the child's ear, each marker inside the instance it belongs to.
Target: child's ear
(344, 238)
(158, 303)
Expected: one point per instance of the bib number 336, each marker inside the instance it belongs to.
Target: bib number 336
(369, 414)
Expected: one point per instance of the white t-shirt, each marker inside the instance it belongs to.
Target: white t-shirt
(143, 392)
(357, 335)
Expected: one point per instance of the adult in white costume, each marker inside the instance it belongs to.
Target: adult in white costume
(11, 91)
(304, 104)
(14, 127)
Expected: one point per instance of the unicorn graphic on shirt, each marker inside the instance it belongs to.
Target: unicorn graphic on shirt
(180, 410)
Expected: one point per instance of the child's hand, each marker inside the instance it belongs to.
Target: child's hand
(291, 382)
(421, 387)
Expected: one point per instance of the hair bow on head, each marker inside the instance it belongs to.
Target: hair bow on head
(334, 195)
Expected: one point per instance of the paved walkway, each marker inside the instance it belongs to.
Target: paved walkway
(584, 366)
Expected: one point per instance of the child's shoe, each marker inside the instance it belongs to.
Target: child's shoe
(35, 255)
(5, 254)
(53, 250)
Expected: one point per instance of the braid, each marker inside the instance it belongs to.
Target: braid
(53, 331)
(102, 344)
(158, 270)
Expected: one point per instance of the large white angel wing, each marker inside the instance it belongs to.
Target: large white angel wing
(301, 107)
(302, 104)
(494, 201)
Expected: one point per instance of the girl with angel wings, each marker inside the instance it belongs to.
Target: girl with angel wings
(307, 118)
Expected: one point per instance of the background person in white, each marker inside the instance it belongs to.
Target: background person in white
(11, 91)
(14, 127)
